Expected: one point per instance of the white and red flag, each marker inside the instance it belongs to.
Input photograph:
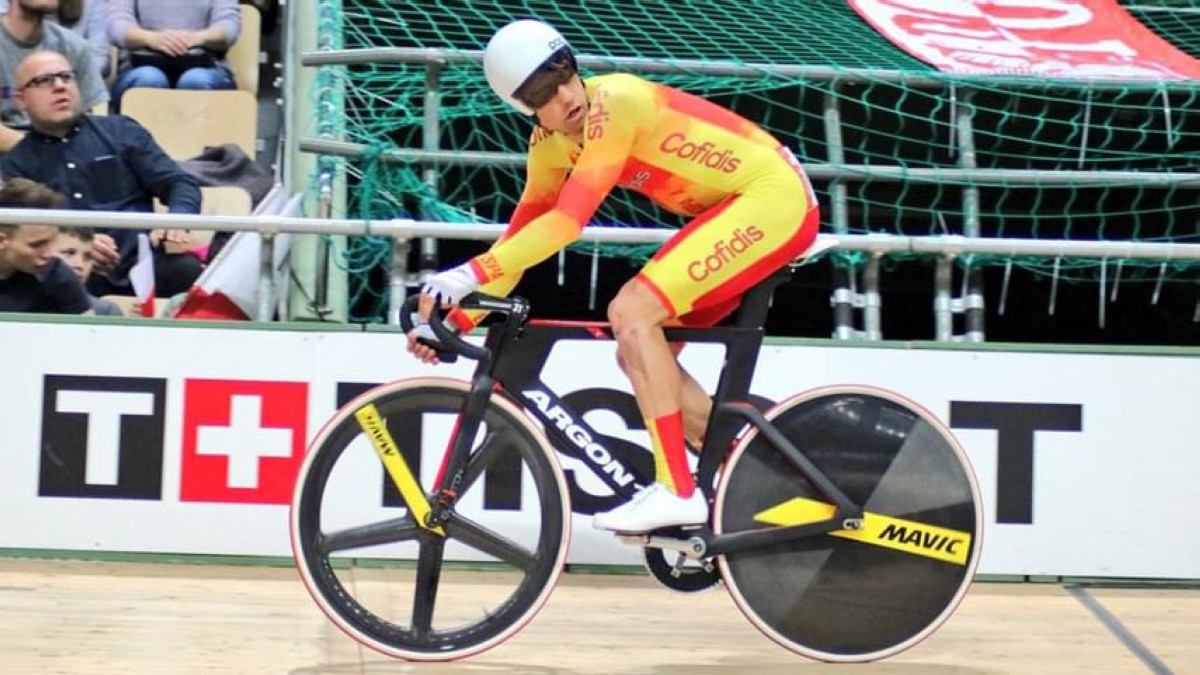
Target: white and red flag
(228, 288)
(141, 276)
(232, 284)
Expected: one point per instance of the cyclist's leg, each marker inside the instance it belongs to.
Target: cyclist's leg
(709, 263)
(649, 361)
(697, 404)
(719, 302)
(695, 401)
(638, 314)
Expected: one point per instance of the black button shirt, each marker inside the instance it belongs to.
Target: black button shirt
(106, 163)
(54, 289)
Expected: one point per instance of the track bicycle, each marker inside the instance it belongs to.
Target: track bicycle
(845, 521)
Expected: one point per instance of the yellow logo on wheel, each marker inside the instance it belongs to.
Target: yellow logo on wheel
(414, 497)
(909, 536)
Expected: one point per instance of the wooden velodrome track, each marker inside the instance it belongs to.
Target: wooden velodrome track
(122, 617)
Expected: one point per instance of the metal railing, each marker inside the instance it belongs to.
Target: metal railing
(846, 297)
(404, 230)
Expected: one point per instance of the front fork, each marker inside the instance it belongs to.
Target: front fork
(458, 451)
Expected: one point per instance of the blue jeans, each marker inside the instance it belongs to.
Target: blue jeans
(149, 76)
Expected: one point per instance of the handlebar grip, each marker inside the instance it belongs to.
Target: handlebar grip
(444, 353)
(406, 311)
(449, 345)
(453, 340)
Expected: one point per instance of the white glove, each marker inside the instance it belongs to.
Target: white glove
(424, 332)
(450, 286)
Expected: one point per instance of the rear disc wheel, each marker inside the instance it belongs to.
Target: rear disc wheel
(852, 595)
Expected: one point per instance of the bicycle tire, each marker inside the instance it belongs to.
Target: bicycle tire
(851, 596)
(350, 543)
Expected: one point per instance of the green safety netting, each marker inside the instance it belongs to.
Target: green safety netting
(895, 112)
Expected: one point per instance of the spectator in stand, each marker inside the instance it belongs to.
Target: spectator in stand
(74, 246)
(32, 278)
(173, 43)
(105, 163)
(89, 20)
(23, 31)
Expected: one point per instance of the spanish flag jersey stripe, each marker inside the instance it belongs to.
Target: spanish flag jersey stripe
(698, 109)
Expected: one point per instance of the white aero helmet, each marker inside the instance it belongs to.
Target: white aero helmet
(516, 52)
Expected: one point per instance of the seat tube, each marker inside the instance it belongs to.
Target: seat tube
(741, 356)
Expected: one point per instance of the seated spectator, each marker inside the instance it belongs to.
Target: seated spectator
(89, 20)
(23, 31)
(173, 43)
(106, 163)
(74, 246)
(32, 278)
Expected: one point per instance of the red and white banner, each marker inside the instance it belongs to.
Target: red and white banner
(1047, 38)
(229, 287)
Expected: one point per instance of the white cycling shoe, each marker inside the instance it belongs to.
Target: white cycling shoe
(653, 508)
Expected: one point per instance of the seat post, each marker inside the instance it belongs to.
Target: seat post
(752, 313)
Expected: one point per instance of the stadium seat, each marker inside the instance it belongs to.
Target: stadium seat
(243, 55)
(215, 200)
(220, 200)
(225, 200)
(184, 122)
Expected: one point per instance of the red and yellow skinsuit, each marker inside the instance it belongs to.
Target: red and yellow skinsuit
(754, 209)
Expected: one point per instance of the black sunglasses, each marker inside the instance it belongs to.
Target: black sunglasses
(47, 80)
(542, 86)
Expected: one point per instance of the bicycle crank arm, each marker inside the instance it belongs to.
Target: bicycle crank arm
(692, 547)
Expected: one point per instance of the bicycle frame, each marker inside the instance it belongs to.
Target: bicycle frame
(767, 476)
(514, 353)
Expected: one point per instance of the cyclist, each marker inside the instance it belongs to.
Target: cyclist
(752, 206)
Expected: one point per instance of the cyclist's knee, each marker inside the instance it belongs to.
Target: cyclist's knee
(635, 309)
(629, 328)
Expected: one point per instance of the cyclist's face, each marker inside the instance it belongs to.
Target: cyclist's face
(560, 101)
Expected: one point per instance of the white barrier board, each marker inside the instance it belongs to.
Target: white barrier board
(187, 439)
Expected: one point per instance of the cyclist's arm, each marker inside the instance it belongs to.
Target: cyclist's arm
(545, 174)
(594, 176)
(543, 183)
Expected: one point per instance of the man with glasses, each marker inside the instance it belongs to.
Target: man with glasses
(101, 163)
(25, 30)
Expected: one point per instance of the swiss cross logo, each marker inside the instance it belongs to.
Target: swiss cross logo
(243, 440)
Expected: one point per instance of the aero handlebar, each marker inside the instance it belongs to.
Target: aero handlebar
(450, 345)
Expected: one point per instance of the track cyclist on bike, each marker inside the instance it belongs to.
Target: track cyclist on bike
(753, 211)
